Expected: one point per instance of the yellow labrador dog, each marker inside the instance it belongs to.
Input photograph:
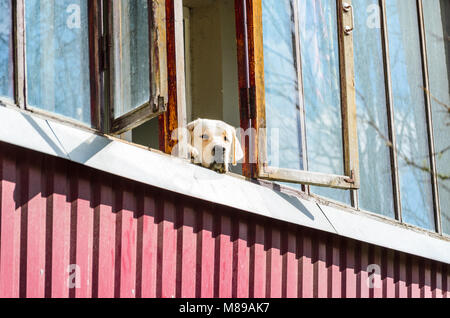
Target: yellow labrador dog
(212, 144)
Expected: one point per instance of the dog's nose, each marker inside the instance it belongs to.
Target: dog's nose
(219, 153)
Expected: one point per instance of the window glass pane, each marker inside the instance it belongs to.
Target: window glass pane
(321, 81)
(321, 89)
(6, 53)
(281, 85)
(437, 25)
(409, 109)
(319, 53)
(376, 194)
(57, 49)
(131, 56)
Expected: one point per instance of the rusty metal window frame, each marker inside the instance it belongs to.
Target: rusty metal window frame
(252, 100)
(157, 103)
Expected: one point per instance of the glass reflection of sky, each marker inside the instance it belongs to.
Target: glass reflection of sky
(57, 49)
(6, 58)
(282, 95)
(409, 109)
(321, 91)
(438, 50)
(133, 85)
(376, 193)
(321, 87)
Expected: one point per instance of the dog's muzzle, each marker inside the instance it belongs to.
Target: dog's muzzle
(218, 164)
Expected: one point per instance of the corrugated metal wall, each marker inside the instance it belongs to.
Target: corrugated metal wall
(132, 240)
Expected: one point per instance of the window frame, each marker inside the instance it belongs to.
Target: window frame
(157, 103)
(99, 65)
(252, 101)
(428, 113)
(252, 108)
(20, 76)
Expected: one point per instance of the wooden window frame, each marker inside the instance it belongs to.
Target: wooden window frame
(100, 63)
(20, 76)
(157, 103)
(252, 101)
(175, 115)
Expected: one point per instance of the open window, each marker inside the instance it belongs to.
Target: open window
(51, 61)
(138, 63)
(210, 56)
(301, 92)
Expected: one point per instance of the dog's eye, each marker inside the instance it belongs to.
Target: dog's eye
(205, 137)
(225, 138)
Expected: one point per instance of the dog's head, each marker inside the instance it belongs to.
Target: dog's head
(214, 144)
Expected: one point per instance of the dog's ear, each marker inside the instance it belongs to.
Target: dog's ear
(191, 126)
(236, 151)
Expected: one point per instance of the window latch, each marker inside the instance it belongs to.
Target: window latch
(351, 179)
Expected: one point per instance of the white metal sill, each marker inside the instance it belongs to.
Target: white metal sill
(119, 158)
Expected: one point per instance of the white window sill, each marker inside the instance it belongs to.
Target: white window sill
(153, 168)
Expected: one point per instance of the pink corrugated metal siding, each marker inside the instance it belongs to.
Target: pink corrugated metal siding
(132, 240)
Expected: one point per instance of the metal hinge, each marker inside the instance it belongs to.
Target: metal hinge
(159, 105)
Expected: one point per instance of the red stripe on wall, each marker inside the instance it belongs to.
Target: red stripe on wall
(128, 242)
(335, 273)
(290, 274)
(36, 230)
(258, 263)
(224, 258)
(83, 220)
(241, 259)
(10, 221)
(105, 230)
(149, 252)
(306, 283)
(187, 253)
(60, 238)
(363, 276)
(167, 250)
(205, 258)
(275, 261)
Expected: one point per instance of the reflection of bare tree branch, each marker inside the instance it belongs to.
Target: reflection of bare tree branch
(405, 158)
(438, 102)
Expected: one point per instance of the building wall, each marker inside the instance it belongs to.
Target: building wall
(133, 240)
